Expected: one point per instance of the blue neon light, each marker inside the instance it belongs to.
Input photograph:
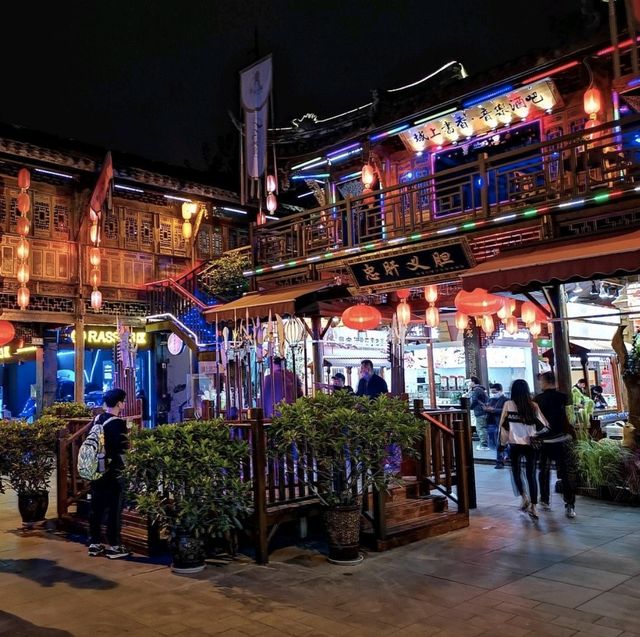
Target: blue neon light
(333, 153)
(393, 131)
(487, 96)
(317, 176)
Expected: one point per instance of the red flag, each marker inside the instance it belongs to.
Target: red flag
(102, 187)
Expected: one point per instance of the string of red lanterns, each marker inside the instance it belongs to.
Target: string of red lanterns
(23, 225)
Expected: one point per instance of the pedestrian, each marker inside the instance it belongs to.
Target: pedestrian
(479, 398)
(557, 443)
(581, 386)
(280, 385)
(493, 411)
(370, 383)
(597, 397)
(520, 419)
(107, 491)
(338, 383)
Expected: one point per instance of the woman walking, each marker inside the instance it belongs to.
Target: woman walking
(520, 419)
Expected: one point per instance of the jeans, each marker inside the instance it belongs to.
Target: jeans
(481, 430)
(560, 453)
(528, 453)
(106, 496)
(492, 436)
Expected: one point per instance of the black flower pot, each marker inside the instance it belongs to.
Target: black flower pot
(343, 528)
(187, 554)
(33, 507)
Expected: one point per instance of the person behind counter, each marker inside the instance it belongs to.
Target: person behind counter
(338, 383)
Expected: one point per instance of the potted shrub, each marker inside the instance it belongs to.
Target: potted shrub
(601, 466)
(186, 478)
(351, 439)
(27, 453)
(68, 410)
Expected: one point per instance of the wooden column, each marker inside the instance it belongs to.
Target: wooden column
(78, 391)
(39, 379)
(560, 329)
(317, 348)
(50, 373)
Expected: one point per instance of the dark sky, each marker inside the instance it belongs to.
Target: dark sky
(156, 77)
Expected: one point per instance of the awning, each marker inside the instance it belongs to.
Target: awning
(579, 259)
(355, 362)
(289, 300)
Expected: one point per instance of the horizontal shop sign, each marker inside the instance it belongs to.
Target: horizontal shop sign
(407, 267)
(101, 337)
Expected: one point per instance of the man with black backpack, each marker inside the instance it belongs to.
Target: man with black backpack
(107, 490)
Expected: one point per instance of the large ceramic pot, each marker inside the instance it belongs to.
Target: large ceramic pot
(187, 554)
(343, 528)
(33, 506)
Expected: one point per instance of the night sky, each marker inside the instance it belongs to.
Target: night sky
(156, 78)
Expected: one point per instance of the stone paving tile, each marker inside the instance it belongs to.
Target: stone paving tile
(615, 605)
(582, 576)
(549, 591)
(535, 627)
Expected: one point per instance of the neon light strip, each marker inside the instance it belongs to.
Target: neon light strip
(54, 173)
(309, 176)
(305, 163)
(634, 82)
(240, 212)
(173, 198)
(182, 325)
(428, 77)
(129, 188)
(435, 116)
(554, 71)
(342, 150)
(597, 198)
(501, 90)
(344, 155)
(393, 131)
(625, 44)
(305, 194)
(322, 162)
(350, 176)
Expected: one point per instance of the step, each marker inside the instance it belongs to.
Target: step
(410, 489)
(414, 508)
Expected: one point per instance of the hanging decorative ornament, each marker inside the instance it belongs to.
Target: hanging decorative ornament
(507, 309)
(511, 325)
(94, 277)
(23, 297)
(361, 317)
(23, 203)
(7, 332)
(271, 183)
(488, 325)
(23, 274)
(592, 101)
(93, 233)
(261, 218)
(535, 328)
(403, 294)
(22, 249)
(528, 312)
(23, 227)
(431, 293)
(461, 320)
(187, 229)
(94, 257)
(432, 316)
(368, 175)
(96, 299)
(93, 216)
(272, 202)
(189, 208)
(477, 303)
(404, 313)
(24, 179)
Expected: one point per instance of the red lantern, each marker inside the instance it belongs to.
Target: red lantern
(23, 297)
(22, 226)
(368, 175)
(528, 312)
(23, 273)
(7, 332)
(261, 218)
(22, 249)
(431, 293)
(272, 202)
(404, 313)
(535, 328)
(96, 300)
(511, 325)
(94, 257)
(23, 203)
(461, 320)
(477, 303)
(361, 317)
(403, 294)
(24, 178)
(592, 101)
(94, 277)
(488, 326)
(507, 309)
(432, 316)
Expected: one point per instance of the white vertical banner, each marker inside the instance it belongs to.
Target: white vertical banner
(255, 88)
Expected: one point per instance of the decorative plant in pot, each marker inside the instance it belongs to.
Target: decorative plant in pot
(27, 460)
(350, 440)
(187, 479)
(68, 410)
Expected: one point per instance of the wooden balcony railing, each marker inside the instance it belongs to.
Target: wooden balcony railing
(555, 171)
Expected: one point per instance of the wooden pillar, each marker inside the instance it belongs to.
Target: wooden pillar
(50, 373)
(78, 367)
(433, 402)
(317, 348)
(560, 329)
(39, 379)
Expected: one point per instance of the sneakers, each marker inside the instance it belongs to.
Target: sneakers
(525, 503)
(533, 514)
(116, 552)
(570, 511)
(545, 506)
(96, 549)
(482, 448)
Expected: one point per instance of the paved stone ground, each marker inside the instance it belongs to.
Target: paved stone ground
(505, 575)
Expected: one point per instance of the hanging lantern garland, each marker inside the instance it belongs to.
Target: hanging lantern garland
(23, 225)
(271, 201)
(94, 259)
(431, 316)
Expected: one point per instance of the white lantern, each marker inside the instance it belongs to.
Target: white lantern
(431, 293)
(432, 316)
(189, 208)
(23, 273)
(404, 313)
(271, 183)
(22, 249)
(96, 299)
(93, 233)
(368, 176)
(535, 328)
(23, 297)
(272, 202)
(187, 230)
(488, 325)
(511, 325)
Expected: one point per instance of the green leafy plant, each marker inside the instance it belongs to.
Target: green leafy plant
(67, 410)
(187, 478)
(350, 438)
(27, 454)
(601, 463)
(225, 278)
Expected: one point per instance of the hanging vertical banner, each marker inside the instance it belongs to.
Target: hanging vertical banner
(255, 88)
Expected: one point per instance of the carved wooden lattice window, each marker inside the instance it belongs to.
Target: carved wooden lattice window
(179, 242)
(146, 232)
(61, 218)
(238, 238)
(6, 267)
(166, 243)
(204, 242)
(111, 226)
(216, 242)
(42, 216)
(13, 210)
(3, 210)
(131, 228)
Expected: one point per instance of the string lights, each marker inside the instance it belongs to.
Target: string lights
(23, 225)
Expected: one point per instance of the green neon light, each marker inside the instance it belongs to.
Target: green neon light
(414, 237)
(259, 271)
(370, 246)
(469, 225)
(328, 255)
(292, 263)
(530, 213)
(603, 196)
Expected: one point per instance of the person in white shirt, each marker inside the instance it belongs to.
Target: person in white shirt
(520, 419)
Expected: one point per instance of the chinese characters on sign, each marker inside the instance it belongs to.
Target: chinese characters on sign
(482, 118)
(397, 268)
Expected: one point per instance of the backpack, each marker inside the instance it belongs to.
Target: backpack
(91, 455)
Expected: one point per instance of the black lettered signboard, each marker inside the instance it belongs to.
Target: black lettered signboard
(403, 266)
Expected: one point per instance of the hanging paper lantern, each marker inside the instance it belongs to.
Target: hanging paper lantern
(93, 233)
(432, 316)
(23, 226)
(478, 302)
(511, 325)
(7, 332)
(535, 328)
(22, 249)
(96, 300)
(261, 218)
(361, 317)
(187, 230)
(93, 215)
(488, 325)
(23, 297)
(23, 273)
(403, 294)
(528, 312)
(24, 179)
(431, 293)
(461, 320)
(271, 183)
(94, 277)
(507, 309)
(368, 176)
(592, 101)
(403, 312)
(189, 208)
(272, 202)
(23, 203)
(94, 257)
